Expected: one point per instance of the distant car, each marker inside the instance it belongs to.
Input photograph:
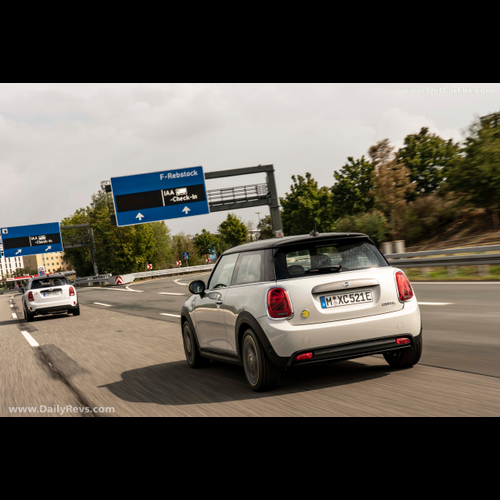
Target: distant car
(284, 302)
(48, 295)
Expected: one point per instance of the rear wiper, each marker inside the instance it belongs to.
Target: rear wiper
(328, 269)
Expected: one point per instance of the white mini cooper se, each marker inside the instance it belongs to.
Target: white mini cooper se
(283, 302)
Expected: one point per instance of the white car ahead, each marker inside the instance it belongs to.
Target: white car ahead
(48, 295)
(284, 302)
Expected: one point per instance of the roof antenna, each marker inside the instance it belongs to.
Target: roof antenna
(314, 233)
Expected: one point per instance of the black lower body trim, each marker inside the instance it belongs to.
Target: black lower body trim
(352, 350)
(221, 356)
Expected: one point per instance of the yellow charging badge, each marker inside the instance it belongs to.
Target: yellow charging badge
(305, 313)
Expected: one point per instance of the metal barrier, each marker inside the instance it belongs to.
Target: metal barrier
(442, 258)
(110, 279)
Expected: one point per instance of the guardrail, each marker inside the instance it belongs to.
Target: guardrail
(89, 280)
(447, 257)
(181, 270)
(110, 279)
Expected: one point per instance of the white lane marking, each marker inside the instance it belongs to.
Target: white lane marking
(32, 342)
(435, 303)
(130, 290)
(183, 284)
(174, 315)
(12, 305)
(101, 304)
(14, 315)
(168, 293)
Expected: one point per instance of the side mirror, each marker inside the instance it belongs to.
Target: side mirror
(197, 287)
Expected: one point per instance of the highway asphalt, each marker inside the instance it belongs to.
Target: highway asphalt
(125, 353)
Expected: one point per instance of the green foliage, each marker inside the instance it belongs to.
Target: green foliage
(232, 232)
(476, 178)
(306, 206)
(265, 227)
(352, 191)
(206, 243)
(429, 159)
(373, 223)
(428, 216)
(119, 250)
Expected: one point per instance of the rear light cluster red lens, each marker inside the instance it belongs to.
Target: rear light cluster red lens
(71, 291)
(403, 340)
(278, 303)
(30, 297)
(405, 290)
(306, 355)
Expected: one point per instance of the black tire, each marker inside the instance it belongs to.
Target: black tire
(406, 358)
(29, 317)
(260, 373)
(193, 356)
(76, 312)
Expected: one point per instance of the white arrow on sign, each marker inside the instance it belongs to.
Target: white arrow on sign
(186, 210)
(19, 251)
(48, 248)
(139, 216)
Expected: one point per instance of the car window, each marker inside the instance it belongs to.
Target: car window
(223, 272)
(249, 268)
(313, 258)
(49, 283)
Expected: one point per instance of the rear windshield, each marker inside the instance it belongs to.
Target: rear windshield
(326, 257)
(49, 283)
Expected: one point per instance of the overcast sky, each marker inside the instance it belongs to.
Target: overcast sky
(59, 141)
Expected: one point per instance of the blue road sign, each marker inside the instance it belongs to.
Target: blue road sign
(159, 196)
(19, 241)
(185, 255)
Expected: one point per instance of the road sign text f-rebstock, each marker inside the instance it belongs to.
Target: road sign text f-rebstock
(159, 196)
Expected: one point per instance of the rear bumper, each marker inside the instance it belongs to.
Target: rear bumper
(287, 340)
(53, 308)
(353, 350)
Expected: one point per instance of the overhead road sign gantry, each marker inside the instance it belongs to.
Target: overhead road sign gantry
(158, 196)
(20, 241)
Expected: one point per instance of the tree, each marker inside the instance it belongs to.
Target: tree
(373, 223)
(391, 181)
(353, 187)
(429, 159)
(306, 206)
(476, 177)
(119, 250)
(205, 242)
(232, 231)
(265, 228)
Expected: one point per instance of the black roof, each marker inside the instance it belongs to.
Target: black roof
(53, 275)
(289, 240)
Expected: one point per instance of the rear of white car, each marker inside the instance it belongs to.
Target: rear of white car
(339, 299)
(50, 294)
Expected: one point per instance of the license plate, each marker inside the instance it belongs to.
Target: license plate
(49, 294)
(345, 299)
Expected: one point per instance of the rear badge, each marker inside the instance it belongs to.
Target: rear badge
(305, 313)
(346, 284)
(390, 303)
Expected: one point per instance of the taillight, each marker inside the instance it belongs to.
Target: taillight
(30, 297)
(71, 291)
(404, 288)
(306, 355)
(278, 303)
